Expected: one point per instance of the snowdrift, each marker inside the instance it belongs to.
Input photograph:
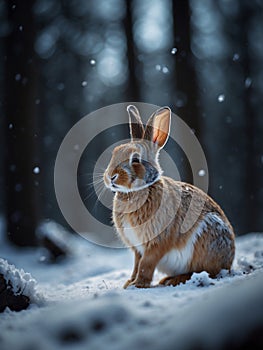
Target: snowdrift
(86, 307)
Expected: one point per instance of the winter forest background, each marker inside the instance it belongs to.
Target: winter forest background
(62, 59)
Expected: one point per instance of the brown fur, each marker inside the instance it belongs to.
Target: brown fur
(166, 215)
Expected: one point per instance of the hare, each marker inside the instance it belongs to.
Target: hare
(170, 225)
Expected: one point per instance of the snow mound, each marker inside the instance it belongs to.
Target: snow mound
(98, 323)
(55, 239)
(22, 282)
(201, 279)
(54, 231)
(227, 318)
(86, 321)
(250, 253)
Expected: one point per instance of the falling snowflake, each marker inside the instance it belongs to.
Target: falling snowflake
(236, 57)
(201, 172)
(248, 82)
(221, 98)
(165, 70)
(36, 170)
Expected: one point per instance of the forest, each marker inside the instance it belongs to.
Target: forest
(66, 61)
(62, 60)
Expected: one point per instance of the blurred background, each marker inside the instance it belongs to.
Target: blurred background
(61, 60)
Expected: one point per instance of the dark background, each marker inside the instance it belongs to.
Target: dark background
(62, 59)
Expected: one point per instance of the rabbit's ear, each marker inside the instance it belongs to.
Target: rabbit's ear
(135, 122)
(158, 126)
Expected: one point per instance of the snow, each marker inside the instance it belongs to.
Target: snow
(36, 170)
(21, 281)
(201, 172)
(85, 306)
(221, 98)
(236, 57)
(201, 279)
(92, 62)
(248, 82)
(165, 70)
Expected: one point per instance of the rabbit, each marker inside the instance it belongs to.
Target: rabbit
(150, 211)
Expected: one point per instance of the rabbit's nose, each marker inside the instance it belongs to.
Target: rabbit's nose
(114, 178)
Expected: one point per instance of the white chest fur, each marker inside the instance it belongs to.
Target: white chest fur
(132, 237)
(176, 261)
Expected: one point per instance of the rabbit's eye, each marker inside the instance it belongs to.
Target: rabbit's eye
(135, 158)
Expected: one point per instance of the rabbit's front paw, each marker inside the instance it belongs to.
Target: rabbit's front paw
(128, 283)
(141, 283)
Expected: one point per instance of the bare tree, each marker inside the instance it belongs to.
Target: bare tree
(21, 104)
(133, 90)
(186, 82)
(248, 17)
(186, 89)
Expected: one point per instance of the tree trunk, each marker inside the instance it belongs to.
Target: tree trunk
(21, 104)
(186, 82)
(133, 93)
(253, 124)
(186, 88)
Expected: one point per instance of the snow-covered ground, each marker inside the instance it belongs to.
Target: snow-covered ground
(80, 303)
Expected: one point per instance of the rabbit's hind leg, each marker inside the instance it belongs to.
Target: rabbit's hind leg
(175, 280)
